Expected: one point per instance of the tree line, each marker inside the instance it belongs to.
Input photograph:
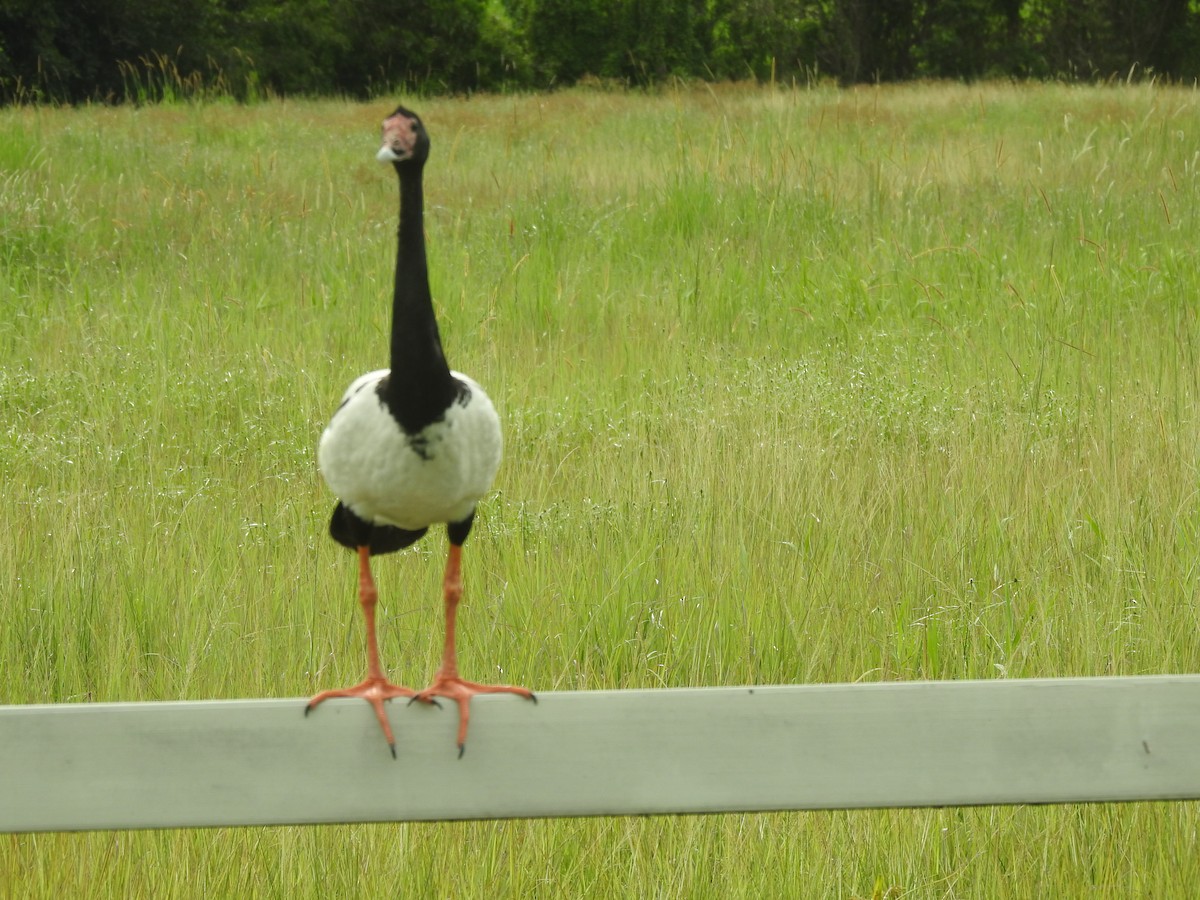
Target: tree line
(117, 50)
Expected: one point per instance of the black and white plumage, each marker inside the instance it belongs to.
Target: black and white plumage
(410, 446)
(401, 481)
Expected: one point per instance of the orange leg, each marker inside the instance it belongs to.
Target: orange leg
(446, 681)
(375, 688)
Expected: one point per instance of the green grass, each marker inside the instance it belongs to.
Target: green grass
(804, 386)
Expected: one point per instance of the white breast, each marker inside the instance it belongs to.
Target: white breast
(410, 481)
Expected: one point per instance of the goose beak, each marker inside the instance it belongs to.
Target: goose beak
(387, 154)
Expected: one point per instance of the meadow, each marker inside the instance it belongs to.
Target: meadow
(810, 385)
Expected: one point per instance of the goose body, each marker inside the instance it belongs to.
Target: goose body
(389, 477)
(409, 447)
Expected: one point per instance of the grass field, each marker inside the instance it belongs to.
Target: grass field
(797, 386)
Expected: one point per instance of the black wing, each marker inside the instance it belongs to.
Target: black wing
(353, 531)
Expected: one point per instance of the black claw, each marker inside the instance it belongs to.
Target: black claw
(392, 747)
(533, 697)
(307, 710)
(432, 701)
(462, 748)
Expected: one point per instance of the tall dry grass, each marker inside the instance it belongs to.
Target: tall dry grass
(890, 383)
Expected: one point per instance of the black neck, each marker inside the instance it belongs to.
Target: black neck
(420, 387)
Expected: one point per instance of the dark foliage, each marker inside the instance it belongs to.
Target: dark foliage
(116, 50)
